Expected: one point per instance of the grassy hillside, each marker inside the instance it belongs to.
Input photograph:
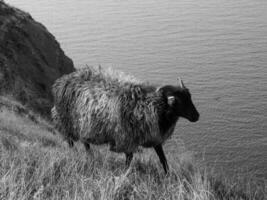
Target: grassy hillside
(36, 164)
(30, 59)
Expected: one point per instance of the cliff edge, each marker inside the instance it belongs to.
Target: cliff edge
(30, 59)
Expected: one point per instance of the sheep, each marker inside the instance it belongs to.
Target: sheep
(97, 106)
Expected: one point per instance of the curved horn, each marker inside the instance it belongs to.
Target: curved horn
(158, 88)
(181, 82)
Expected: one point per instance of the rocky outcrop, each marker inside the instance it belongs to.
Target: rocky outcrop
(30, 59)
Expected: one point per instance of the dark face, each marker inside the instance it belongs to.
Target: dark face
(179, 99)
(184, 105)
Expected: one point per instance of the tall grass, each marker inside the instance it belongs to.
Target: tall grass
(35, 164)
(59, 173)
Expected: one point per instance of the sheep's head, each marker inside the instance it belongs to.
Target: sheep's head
(179, 100)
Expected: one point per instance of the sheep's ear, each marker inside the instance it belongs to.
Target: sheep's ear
(171, 100)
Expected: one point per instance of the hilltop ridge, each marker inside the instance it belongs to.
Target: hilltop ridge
(30, 59)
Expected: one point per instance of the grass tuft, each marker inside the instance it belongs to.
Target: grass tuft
(35, 164)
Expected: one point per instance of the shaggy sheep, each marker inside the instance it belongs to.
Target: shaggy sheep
(98, 106)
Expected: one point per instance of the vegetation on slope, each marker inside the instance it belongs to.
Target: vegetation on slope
(36, 164)
(30, 59)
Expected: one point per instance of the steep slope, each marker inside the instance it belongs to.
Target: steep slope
(30, 59)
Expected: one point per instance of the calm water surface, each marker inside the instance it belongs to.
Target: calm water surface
(218, 47)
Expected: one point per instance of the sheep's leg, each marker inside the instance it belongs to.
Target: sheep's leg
(87, 146)
(70, 142)
(129, 157)
(162, 157)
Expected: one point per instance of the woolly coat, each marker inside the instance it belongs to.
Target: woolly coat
(99, 107)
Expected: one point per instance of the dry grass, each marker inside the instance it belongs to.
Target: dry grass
(35, 164)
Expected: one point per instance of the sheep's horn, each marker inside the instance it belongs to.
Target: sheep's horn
(181, 83)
